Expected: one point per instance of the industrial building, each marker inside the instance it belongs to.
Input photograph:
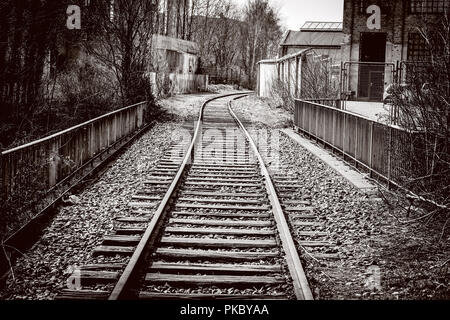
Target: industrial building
(377, 45)
(380, 38)
(324, 37)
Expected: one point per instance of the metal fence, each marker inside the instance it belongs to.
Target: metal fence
(51, 159)
(366, 80)
(410, 72)
(335, 103)
(371, 145)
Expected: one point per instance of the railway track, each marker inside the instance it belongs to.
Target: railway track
(207, 225)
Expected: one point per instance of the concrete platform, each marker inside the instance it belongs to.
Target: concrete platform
(353, 176)
(371, 110)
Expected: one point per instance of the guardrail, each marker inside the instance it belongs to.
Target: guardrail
(374, 146)
(48, 161)
(335, 103)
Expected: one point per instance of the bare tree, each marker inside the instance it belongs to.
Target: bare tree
(29, 31)
(260, 35)
(310, 77)
(121, 39)
(318, 81)
(424, 110)
(225, 43)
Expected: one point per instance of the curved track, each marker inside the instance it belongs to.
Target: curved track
(208, 225)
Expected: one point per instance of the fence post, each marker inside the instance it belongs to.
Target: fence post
(289, 75)
(334, 131)
(356, 142)
(316, 130)
(324, 119)
(389, 157)
(2, 186)
(371, 150)
(343, 136)
(296, 77)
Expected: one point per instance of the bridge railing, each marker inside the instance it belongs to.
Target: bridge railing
(335, 103)
(368, 144)
(45, 162)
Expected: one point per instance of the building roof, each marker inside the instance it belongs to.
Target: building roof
(321, 26)
(175, 44)
(287, 57)
(313, 38)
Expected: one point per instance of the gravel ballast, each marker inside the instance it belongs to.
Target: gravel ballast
(80, 226)
(409, 259)
(406, 261)
(380, 256)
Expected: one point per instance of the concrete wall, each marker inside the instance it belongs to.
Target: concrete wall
(168, 43)
(175, 55)
(267, 74)
(175, 67)
(177, 83)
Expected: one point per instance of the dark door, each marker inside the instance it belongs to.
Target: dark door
(371, 76)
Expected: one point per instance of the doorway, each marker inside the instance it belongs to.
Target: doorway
(371, 76)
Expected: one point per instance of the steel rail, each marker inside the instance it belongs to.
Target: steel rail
(128, 276)
(300, 282)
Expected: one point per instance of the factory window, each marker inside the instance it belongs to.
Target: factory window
(417, 48)
(428, 6)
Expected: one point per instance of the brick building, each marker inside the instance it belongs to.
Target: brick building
(379, 37)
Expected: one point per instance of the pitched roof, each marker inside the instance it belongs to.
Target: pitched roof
(287, 57)
(322, 26)
(313, 38)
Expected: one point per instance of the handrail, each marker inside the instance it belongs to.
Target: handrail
(69, 129)
(354, 114)
(359, 152)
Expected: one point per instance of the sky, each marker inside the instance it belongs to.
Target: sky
(294, 13)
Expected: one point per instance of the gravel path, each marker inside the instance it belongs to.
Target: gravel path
(259, 111)
(186, 107)
(78, 228)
